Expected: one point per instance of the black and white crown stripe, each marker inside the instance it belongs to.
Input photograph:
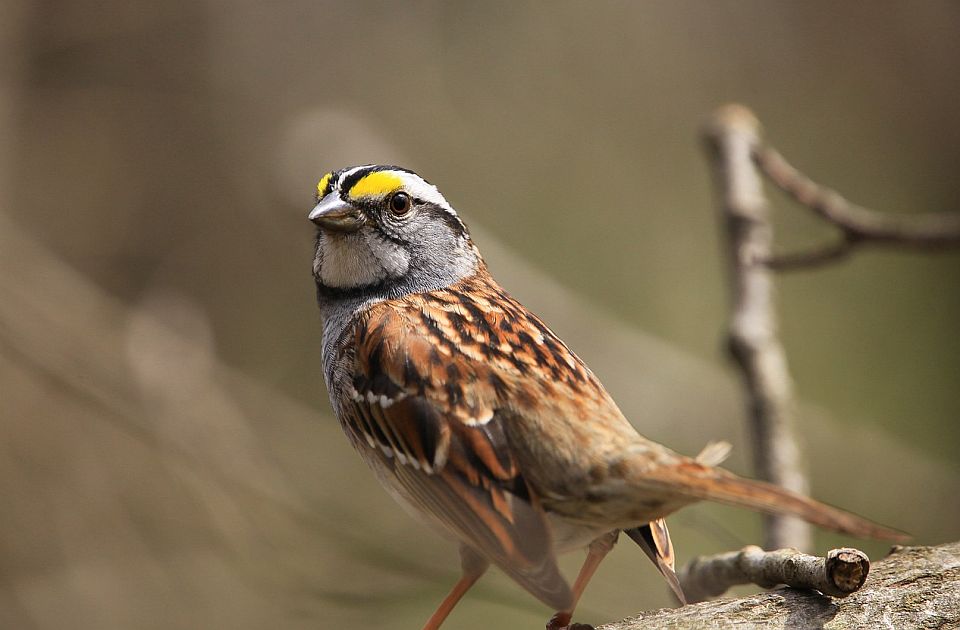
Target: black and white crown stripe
(344, 180)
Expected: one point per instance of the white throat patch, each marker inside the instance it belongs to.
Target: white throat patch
(356, 260)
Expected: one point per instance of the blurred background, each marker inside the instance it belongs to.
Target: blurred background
(168, 458)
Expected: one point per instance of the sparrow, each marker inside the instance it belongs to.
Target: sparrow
(477, 418)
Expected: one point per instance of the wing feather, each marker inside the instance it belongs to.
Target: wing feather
(448, 452)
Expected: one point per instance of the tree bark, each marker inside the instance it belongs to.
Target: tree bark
(913, 587)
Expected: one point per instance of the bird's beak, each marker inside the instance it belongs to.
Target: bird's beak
(336, 215)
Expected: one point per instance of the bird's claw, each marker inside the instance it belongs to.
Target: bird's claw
(561, 621)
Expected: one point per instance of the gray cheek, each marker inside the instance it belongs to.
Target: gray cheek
(394, 259)
(431, 242)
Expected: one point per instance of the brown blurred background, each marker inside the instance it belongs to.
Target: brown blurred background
(167, 454)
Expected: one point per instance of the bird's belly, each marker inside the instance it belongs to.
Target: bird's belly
(570, 535)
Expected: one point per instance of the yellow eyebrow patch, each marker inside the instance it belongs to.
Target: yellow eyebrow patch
(376, 184)
(323, 183)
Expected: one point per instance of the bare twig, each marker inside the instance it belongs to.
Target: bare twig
(859, 225)
(840, 573)
(814, 257)
(732, 138)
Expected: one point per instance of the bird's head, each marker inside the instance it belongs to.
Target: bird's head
(386, 230)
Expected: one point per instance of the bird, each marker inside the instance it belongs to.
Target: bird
(477, 418)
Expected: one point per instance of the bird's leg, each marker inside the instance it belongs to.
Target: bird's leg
(473, 565)
(597, 551)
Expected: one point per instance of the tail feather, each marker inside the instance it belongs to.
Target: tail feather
(654, 539)
(697, 481)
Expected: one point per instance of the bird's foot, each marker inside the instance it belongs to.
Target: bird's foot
(561, 621)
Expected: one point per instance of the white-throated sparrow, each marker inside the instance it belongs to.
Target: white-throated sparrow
(476, 417)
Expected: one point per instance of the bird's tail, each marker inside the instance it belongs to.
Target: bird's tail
(654, 539)
(697, 481)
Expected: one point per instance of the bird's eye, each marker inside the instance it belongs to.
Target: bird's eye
(400, 203)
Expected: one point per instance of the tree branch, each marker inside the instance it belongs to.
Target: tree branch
(913, 587)
(732, 138)
(840, 573)
(860, 225)
(814, 257)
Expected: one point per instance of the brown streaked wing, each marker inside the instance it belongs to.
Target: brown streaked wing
(504, 528)
(408, 410)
